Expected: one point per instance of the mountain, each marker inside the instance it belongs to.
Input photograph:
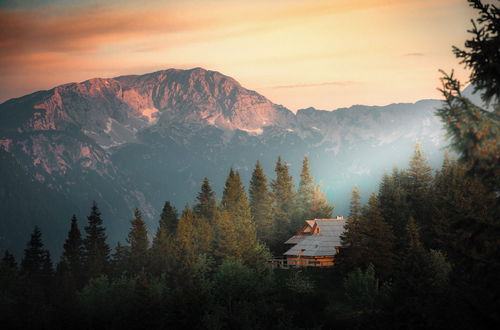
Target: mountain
(136, 141)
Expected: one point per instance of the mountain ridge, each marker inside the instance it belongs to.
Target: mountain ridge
(138, 140)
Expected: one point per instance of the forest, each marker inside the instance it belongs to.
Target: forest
(422, 253)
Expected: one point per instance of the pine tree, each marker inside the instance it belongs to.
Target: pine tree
(319, 207)
(419, 193)
(163, 249)
(8, 260)
(96, 249)
(186, 239)
(283, 190)
(120, 260)
(206, 202)
(394, 203)
(225, 236)
(169, 218)
(305, 192)
(72, 258)
(377, 239)
(351, 253)
(234, 201)
(285, 210)
(261, 205)
(34, 256)
(138, 240)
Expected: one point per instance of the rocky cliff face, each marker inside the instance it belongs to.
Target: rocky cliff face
(136, 141)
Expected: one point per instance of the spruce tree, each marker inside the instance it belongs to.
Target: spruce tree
(419, 193)
(206, 202)
(225, 236)
(377, 239)
(138, 240)
(120, 260)
(305, 192)
(8, 260)
(163, 248)
(234, 201)
(261, 204)
(285, 210)
(394, 203)
(283, 190)
(72, 258)
(96, 249)
(319, 207)
(34, 256)
(186, 236)
(169, 218)
(351, 252)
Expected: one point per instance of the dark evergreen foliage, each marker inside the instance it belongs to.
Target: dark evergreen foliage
(96, 249)
(206, 201)
(261, 205)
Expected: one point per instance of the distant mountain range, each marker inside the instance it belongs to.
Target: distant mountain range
(136, 141)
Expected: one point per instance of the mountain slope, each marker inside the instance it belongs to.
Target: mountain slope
(136, 141)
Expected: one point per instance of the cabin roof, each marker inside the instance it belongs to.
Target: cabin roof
(323, 242)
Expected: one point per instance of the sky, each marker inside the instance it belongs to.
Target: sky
(298, 53)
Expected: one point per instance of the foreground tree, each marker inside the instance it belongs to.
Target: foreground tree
(34, 256)
(96, 249)
(235, 202)
(206, 202)
(163, 248)
(261, 205)
(71, 266)
(138, 240)
(475, 136)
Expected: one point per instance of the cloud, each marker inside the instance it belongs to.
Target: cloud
(322, 84)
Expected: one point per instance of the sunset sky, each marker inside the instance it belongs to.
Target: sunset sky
(299, 53)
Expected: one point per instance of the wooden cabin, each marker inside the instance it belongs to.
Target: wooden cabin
(316, 243)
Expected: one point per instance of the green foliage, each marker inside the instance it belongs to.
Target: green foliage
(96, 249)
(261, 205)
(207, 204)
(138, 240)
(234, 201)
(482, 55)
(71, 265)
(169, 219)
(163, 249)
(362, 290)
(36, 260)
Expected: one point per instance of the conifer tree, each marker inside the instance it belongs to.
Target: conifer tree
(261, 204)
(73, 250)
(163, 249)
(418, 189)
(47, 268)
(377, 239)
(186, 239)
(96, 249)
(120, 260)
(285, 210)
(234, 201)
(169, 218)
(206, 202)
(305, 192)
(283, 190)
(319, 207)
(394, 204)
(350, 255)
(34, 256)
(225, 236)
(138, 240)
(9, 260)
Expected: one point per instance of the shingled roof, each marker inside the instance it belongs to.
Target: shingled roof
(322, 238)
